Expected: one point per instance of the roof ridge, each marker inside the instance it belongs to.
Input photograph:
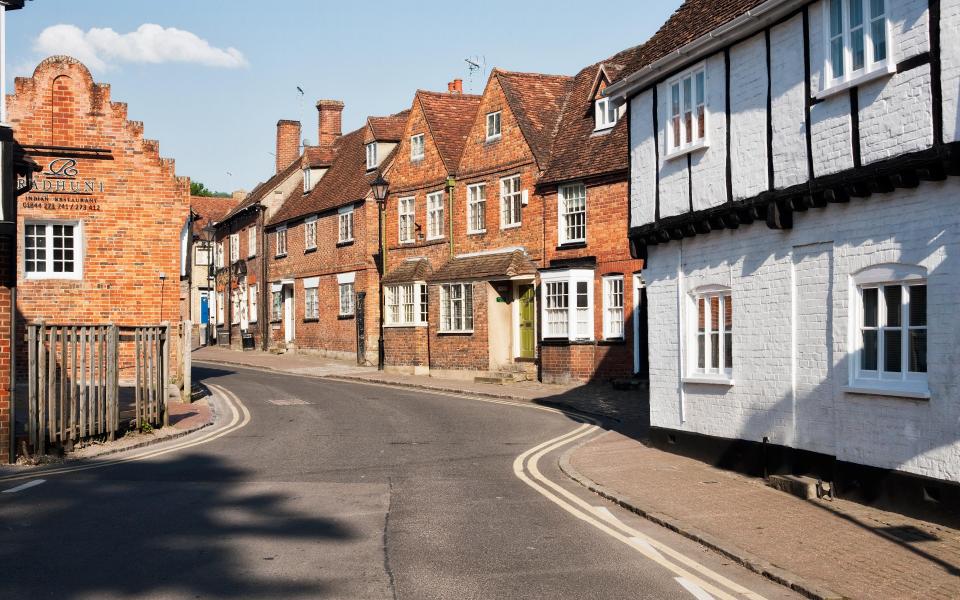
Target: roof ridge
(448, 94)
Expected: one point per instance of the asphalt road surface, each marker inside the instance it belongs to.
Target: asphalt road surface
(313, 488)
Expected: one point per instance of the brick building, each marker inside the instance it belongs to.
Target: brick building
(418, 218)
(99, 231)
(323, 242)
(199, 304)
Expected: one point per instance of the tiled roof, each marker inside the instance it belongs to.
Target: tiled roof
(692, 20)
(209, 210)
(265, 188)
(388, 129)
(412, 269)
(535, 101)
(449, 117)
(485, 266)
(316, 156)
(579, 151)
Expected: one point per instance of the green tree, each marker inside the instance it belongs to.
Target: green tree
(198, 189)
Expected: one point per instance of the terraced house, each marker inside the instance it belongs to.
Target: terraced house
(790, 191)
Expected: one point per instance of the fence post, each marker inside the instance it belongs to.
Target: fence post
(32, 384)
(42, 387)
(187, 362)
(113, 391)
(165, 371)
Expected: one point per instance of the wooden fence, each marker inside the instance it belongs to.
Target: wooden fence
(75, 389)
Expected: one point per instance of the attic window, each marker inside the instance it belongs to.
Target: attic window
(416, 147)
(605, 114)
(493, 125)
(371, 155)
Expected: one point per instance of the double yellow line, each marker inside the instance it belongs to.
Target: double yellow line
(239, 417)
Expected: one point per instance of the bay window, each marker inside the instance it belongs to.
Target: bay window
(456, 308)
(567, 305)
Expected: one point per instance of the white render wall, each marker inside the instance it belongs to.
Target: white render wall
(748, 117)
(791, 332)
(787, 103)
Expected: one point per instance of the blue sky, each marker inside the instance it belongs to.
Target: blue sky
(215, 110)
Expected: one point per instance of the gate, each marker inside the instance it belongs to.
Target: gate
(83, 381)
(361, 327)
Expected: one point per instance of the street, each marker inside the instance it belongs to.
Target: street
(313, 488)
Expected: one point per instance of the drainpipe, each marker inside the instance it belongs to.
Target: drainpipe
(451, 185)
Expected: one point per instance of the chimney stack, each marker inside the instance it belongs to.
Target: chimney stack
(455, 87)
(329, 113)
(288, 143)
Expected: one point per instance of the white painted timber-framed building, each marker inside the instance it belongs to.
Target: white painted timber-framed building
(791, 191)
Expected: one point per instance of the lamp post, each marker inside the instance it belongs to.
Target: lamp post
(380, 187)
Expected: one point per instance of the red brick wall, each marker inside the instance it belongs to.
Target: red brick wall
(288, 143)
(468, 351)
(7, 249)
(131, 229)
(405, 346)
(227, 279)
(329, 122)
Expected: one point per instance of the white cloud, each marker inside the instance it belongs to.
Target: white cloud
(102, 48)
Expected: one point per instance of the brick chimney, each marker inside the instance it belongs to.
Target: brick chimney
(328, 114)
(455, 87)
(288, 143)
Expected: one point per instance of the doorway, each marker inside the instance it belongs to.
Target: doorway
(526, 323)
(288, 312)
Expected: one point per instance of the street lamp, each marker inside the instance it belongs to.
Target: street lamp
(380, 187)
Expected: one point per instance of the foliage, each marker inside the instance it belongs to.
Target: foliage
(198, 189)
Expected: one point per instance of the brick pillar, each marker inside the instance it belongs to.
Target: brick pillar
(329, 113)
(7, 283)
(288, 143)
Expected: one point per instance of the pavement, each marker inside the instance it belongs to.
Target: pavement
(318, 488)
(824, 549)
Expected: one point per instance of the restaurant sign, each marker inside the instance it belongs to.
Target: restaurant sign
(60, 187)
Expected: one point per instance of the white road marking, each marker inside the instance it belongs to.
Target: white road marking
(240, 416)
(25, 486)
(652, 549)
(694, 589)
(288, 402)
(604, 513)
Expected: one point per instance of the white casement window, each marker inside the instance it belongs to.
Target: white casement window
(234, 247)
(713, 333)
(435, 215)
(310, 234)
(406, 304)
(345, 225)
(687, 123)
(52, 250)
(477, 208)
(306, 181)
(235, 296)
(311, 298)
(201, 254)
(218, 251)
(276, 305)
(251, 242)
(252, 303)
(891, 333)
(613, 307)
(511, 202)
(220, 303)
(456, 308)
(405, 222)
(281, 241)
(416, 147)
(371, 156)
(605, 114)
(345, 283)
(493, 125)
(856, 32)
(567, 306)
(572, 213)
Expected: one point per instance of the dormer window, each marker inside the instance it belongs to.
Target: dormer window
(306, 181)
(371, 156)
(687, 125)
(493, 125)
(605, 113)
(416, 147)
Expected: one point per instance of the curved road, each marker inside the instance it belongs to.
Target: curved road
(313, 488)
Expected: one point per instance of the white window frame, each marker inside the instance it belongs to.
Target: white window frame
(281, 241)
(614, 290)
(252, 302)
(235, 296)
(456, 304)
(476, 200)
(563, 214)
(405, 304)
(345, 224)
(220, 308)
(578, 318)
(218, 253)
(371, 150)
(606, 114)
(416, 147)
(311, 299)
(234, 247)
(494, 125)
(276, 302)
(904, 383)
(406, 219)
(345, 283)
(251, 242)
(435, 215)
(78, 253)
(682, 147)
(511, 202)
(310, 233)
(722, 374)
(871, 69)
(306, 180)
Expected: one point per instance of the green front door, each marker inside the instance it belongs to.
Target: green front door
(527, 316)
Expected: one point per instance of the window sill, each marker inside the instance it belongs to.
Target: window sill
(914, 393)
(453, 333)
(309, 250)
(492, 139)
(344, 243)
(345, 317)
(701, 145)
(403, 325)
(882, 71)
(477, 232)
(566, 342)
(512, 226)
(709, 380)
(572, 245)
(311, 320)
(284, 255)
(618, 341)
